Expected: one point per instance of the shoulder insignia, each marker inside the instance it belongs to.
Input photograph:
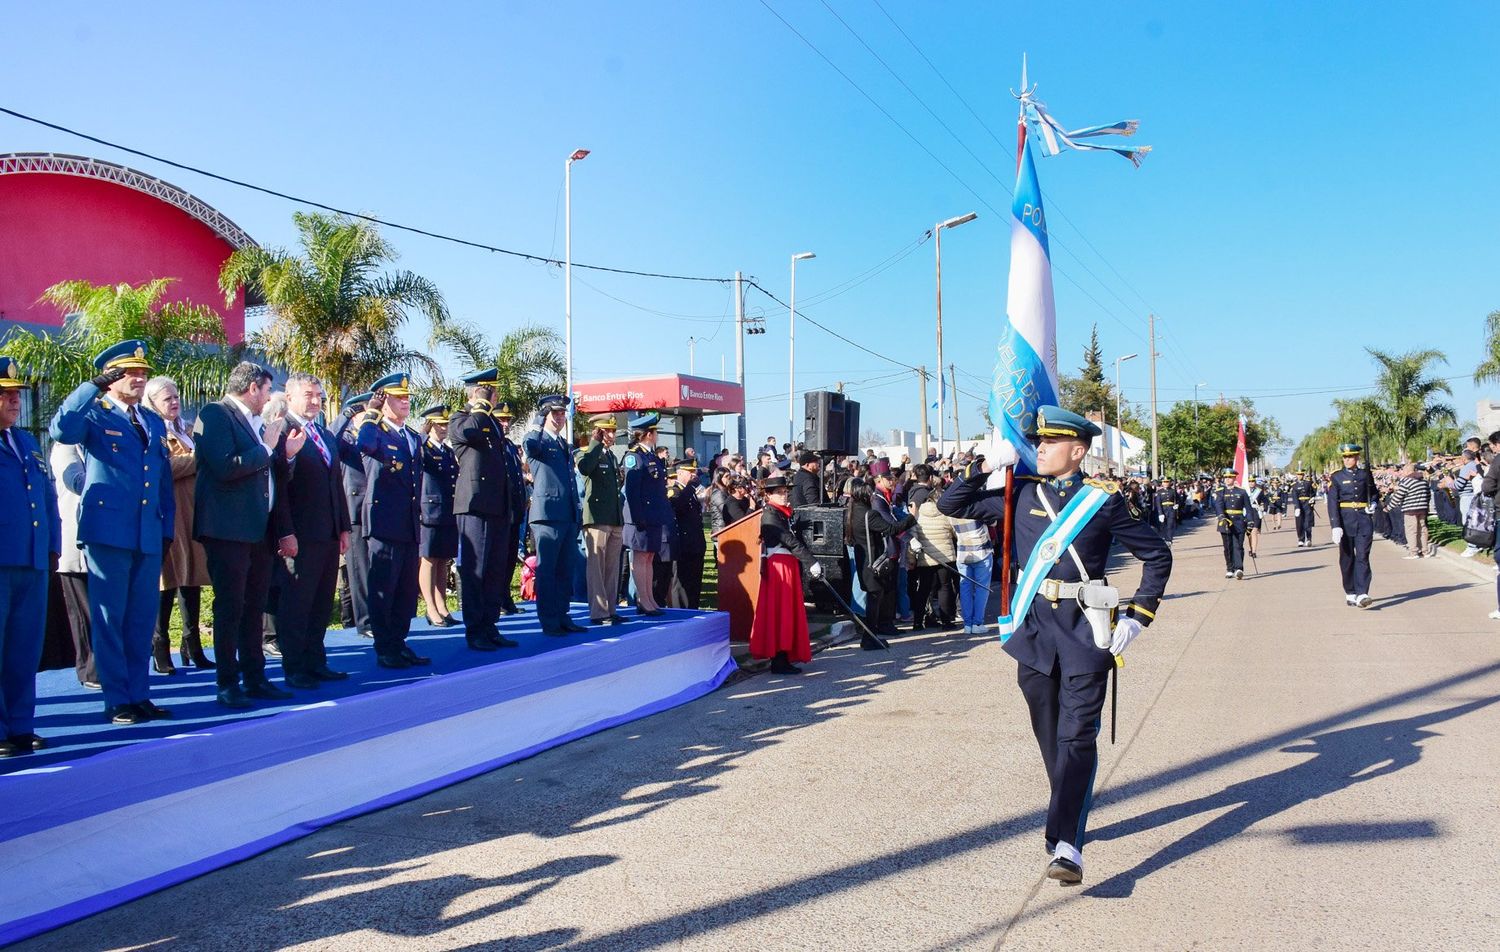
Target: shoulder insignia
(631, 461)
(1108, 485)
(1034, 479)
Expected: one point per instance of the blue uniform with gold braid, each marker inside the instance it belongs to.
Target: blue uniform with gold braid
(125, 517)
(1061, 673)
(1235, 514)
(1351, 494)
(32, 535)
(556, 517)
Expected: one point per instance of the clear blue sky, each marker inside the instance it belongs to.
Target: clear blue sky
(1323, 176)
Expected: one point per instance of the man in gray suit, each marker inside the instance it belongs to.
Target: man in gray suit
(241, 465)
(555, 513)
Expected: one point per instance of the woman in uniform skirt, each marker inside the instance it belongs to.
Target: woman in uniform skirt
(779, 631)
(439, 540)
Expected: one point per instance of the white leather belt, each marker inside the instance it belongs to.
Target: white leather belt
(1055, 590)
(777, 550)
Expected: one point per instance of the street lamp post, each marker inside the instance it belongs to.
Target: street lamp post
(1120, 440)
(937, 232)
(1197, 449)
(577, 156)
(791, 341)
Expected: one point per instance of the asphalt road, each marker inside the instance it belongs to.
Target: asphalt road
(1290, 773)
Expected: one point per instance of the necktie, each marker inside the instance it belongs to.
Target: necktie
(140, 430)
(312, 431)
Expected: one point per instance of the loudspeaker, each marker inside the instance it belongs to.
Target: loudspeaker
(851, 427)
(821, 529)
(825, 422)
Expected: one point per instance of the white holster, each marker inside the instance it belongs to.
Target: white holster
(1099, 601)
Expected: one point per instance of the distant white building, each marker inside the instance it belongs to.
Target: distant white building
(1487, 417)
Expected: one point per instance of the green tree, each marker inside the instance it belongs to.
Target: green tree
(1408, 398)
(186, 341)
(529, 358)
(1488, 370)
(1091, 392)
(337, 312)
(1207, 445)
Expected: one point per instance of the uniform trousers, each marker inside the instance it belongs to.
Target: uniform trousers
(75, 594)
(1354, 553)
(556, 548)
(302, 607)
(241, 576)
(484, 587)
(1234, 549)
(23, 626)
(602, 547)
(511, 554)
(393, 593)
(688, 568)
(123, 589)
(1304, 523)
(1167, 527)
(357, 580)
(1065, 717)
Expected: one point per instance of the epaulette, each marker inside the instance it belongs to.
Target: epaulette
(1108, 485)
(1034, 479)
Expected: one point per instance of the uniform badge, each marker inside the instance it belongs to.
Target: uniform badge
(631, 461)
(1050, 550)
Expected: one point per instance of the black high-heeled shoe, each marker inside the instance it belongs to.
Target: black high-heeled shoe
(161, 655)
(192, 653)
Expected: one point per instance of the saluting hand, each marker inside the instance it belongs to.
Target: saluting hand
(377, 401)
(107, 379)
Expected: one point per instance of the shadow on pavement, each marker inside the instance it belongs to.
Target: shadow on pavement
(1404, 597)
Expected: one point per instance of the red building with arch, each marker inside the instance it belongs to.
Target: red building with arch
(67, 217)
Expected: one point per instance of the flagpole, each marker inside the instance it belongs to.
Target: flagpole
(1010, 471)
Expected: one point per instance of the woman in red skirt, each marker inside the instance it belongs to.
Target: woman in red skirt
(779, 631)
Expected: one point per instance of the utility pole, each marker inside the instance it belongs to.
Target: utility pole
(739, 351)
(953, 386)
(691, 341)
(1155, 445)
(922, 374)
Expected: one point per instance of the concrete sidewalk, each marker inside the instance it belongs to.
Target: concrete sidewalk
(1290, 773)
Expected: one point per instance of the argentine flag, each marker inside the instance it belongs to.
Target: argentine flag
(1026, 362)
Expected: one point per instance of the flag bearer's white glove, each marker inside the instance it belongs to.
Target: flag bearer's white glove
(1125, 631)
(999, 454)
(816, 571)
(1338, 536)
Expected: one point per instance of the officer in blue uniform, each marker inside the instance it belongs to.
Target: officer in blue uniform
(515, 484)
(1235, 514)
(124, 520)
(32, 536)
(556, 513)
(1061, 671)
(355, 602)
(1302, 494)
(1165, 502)
(394, 459)
(439, 526)
(1351, 506)
(649, 525)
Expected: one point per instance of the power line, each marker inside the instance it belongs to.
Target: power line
(828, 330)
(542, 259)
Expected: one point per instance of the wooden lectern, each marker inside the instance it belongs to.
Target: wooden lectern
(739, 573)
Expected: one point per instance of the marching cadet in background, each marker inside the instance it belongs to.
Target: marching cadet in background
(483, 513)
(354, 604)
(1257, 494)
(1059, 624)
(394, 460)
(33, 542)
(1351, 504)
(439, 526)
(648, 514)
(1277, 507)
(688, 543)
(1164, 501)
(1235, 514)
(1303, 491)
(555, 514)
(603, 521)
(125, 521)
(515, 482)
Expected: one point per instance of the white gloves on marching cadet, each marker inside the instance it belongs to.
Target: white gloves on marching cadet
(915, 544)
(1161, 518)
(816, 570)
(1338, 536)
(1126, 630)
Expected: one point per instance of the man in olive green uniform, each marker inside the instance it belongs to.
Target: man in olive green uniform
(602, 521)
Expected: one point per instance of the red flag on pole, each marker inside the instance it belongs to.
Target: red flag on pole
(1241, 463)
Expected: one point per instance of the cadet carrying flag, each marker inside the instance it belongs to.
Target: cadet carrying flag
(1026, 363)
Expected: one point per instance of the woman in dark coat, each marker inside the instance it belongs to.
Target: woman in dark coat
(873, 532)
(439, 540)
(184, 566)
(779, 631)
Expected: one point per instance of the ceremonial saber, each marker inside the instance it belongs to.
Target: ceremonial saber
(852, 614)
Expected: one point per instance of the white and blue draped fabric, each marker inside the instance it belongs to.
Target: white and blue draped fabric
(1052, 138)
(1049, 548)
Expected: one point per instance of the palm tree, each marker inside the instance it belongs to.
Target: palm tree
(1488, 370)
(186, 341)
(1407, 396)
(336, 312)
(529, 358)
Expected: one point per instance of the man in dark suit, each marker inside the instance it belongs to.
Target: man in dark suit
(515, 482)
(555, 514)
(391, 521)
(688, 542)
(482, 507)
(312, 532)
(355, 603)
(125, 521)
(240, 462)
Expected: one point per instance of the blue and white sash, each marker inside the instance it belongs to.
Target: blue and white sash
(1049, 549)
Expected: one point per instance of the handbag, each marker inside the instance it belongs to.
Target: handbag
(1479, 524)
(882, 567)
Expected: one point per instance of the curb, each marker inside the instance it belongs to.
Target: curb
(1480, 570)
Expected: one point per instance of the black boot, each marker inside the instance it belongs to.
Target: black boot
(192, 653)
(781, 665)
(870, 644)
(161, 654)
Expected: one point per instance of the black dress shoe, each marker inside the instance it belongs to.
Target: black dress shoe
(480, 644)
(125, 714)
(1065, 871)
(301, 681)
(616, 620)
(392, 661)
(442, 623)
(264, 690)
(556, 632)
(871, 644)
(11, 749)
(500, 641)
(412, 658)
(152, 712)
(653, 614)
(509, 610)
(28, 742)
(234, 697)
(324, 673)
(571, 625)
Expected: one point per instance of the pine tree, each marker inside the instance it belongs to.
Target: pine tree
(1092, 370)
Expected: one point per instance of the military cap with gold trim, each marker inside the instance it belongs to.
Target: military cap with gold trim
(489, 375)
(437, 413)
(645, 421)
(127, 354)
(552, 401)
(394, 385)
(1350, 449)
(357, 399)
(1055, 421)
(503, 411)
(603, 419)
(686, 463)
(10, 373)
